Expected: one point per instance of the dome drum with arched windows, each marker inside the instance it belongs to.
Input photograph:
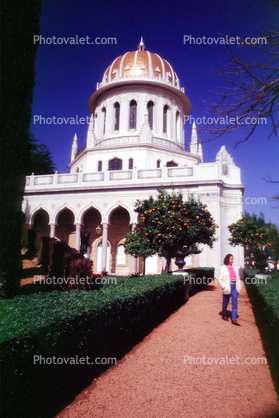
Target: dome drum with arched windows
(138, 113)
(138, 68)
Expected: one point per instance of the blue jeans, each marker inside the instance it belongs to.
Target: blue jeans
(226, 299)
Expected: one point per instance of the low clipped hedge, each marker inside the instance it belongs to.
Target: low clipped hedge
(202, 276)
(106, 323)
(264, 296)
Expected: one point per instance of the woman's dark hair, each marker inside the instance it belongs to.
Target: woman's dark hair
(226, 259)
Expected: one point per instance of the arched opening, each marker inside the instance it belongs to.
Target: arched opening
(165, 119)
(116, 116)
(41, 223)
(31, 237)
(115, 164)
(131, 163)
(172, 164)
(121, 256)
(99, 258)
(133, 115)
(177, 125)
(118, 228)
(65, 229)
(150, 106)
(91, 225)
(104, 116)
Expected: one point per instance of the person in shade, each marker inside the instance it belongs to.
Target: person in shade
(231, 286)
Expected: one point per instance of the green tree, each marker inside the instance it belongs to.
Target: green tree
(137, 245)
(41, 159)
(167, 225)
(20, 21)
(273, 234)
(252, 231)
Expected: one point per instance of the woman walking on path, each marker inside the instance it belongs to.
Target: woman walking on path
(231, 286)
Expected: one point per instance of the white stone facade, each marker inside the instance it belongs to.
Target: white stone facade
(135, 144)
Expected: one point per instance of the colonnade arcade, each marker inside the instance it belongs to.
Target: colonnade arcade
(106, 234)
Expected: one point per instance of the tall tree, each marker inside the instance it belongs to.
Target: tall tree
(41, 160)
(20, 21)
(167, 225)
(252, 231)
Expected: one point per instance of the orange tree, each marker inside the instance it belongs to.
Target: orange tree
(167, 225)
(252, 231)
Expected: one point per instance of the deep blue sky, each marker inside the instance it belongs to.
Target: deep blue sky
(66, 75)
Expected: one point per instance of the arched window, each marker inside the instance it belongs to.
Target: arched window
(158, 163)
(133, 114)
(121, 256)
(150, 106)
(131, 163)
(116, 116)
(165, 119)
(115, 164)
(104, 114)
(177, 125)
(100, 165)
(171, 164)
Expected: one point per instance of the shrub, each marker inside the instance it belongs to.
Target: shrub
(264, 297)
(107, 323)
(81, 276)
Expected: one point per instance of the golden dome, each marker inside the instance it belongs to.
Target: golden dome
(140, 68)
(143, 64)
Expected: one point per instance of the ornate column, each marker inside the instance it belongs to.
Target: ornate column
(77, 241)
(104, 246)
(52, 230)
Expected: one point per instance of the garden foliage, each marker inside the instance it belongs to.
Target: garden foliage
(61, 261)
(103, 323)
(167, 225)
(264, 295)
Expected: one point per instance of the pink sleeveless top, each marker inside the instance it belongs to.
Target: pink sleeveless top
(232, 273)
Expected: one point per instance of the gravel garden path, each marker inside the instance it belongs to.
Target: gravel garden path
(192, 365)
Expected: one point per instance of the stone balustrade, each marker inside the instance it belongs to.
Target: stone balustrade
(80, 180)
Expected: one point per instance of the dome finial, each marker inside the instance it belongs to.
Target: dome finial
(141, 46)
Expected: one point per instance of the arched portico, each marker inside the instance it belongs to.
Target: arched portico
(119, 226)
(41, 222)
(65, 228)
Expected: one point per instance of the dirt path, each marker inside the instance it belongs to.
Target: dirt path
(159, 379)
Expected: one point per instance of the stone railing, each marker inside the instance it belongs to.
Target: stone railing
(140, 77)
(84, 180)
(130, 140)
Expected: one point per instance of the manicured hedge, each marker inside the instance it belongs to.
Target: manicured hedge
(202, 276)
(264, 296)
(106, 323)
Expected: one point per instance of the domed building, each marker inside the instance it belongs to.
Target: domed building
(135, 144)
